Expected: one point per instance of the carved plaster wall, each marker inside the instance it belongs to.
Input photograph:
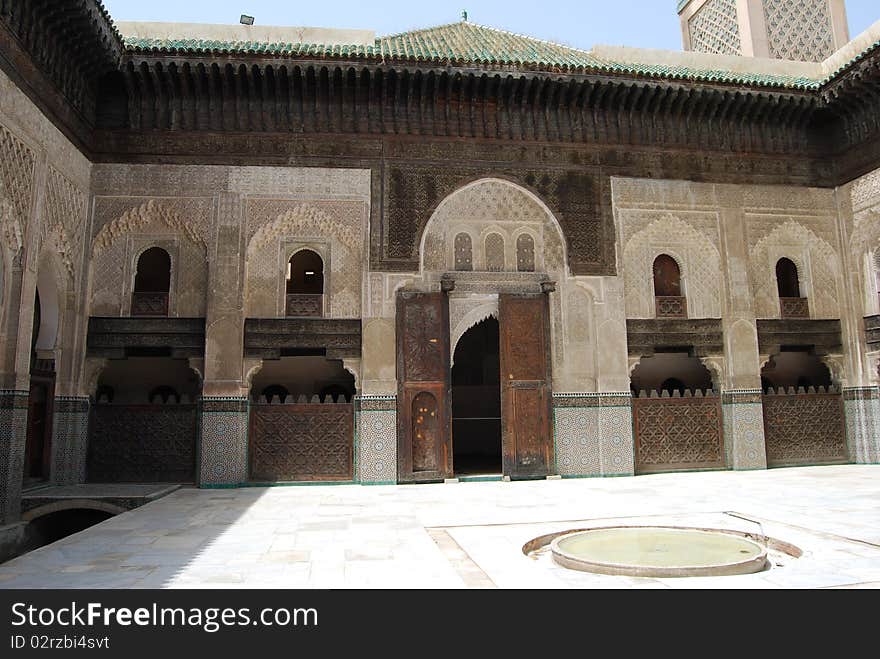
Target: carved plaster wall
(277, 228)
(486, 210)
(864, 244)
(772, 238)
(692, 240)
(128, 226)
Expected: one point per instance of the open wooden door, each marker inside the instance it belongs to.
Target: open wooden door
(424, 415)
(527, 430)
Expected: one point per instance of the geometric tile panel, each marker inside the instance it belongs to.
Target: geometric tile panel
(69, 440)
(616, 440)
(13, 434)
(744, 430)
(377, 442)
(224, 441)
(577, 441)
(593, 434)
(862, 410)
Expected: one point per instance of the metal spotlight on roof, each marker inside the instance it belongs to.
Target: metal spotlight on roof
(246, 20)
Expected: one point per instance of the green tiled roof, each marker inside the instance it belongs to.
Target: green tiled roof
(465, 44)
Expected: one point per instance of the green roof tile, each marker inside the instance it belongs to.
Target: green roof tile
(471, 44)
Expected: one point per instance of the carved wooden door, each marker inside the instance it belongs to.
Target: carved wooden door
(424, 399)
(527, 432)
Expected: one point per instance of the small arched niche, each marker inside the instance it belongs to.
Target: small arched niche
(525, 253)
(464, 253)
(791, 302)
(152, 283)
(305, 285)
(669, 299)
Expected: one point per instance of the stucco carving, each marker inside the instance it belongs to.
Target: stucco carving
(866, 191)
(165, 213)
(63, 228)
(496, 208)
(10, 226)
(697, 256)
(17, 164)
(273, 223)
(164, 223)
(466, 312)
(817, 264)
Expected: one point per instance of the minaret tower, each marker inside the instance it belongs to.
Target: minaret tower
(805, 30)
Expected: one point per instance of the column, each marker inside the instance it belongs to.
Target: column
(861, 396)
(742, 411)
(224, 426)
(376, 403)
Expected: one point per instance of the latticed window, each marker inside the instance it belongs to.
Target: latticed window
(494, 252)
(525, 253)
(464, 252)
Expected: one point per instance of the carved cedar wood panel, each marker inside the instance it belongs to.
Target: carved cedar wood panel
(142, 443)
(302, 442)
(577, 199)
(678, 433)
(804, 429)
(525, 386)
(423, 394)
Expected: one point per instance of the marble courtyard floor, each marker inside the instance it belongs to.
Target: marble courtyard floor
(462, 535)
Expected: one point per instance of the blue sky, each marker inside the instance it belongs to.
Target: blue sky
(580, 23)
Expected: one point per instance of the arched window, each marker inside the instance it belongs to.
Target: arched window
(787, 279)
(152, 283)
(669, 300)
(305, 284)
(791, 304)
(525, 253)
(495, 252)
(464, 252)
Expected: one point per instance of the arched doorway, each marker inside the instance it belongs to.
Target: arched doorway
(305, 284)
(476, 401)
(41, 396)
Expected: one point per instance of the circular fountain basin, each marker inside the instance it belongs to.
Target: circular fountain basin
(659, 552)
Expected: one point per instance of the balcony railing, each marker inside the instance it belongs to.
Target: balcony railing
(305, 306)
(149, 304)
(794, 307)
(671, 307)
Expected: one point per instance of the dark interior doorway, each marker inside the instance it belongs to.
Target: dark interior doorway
(476, 401)
(40, 402)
